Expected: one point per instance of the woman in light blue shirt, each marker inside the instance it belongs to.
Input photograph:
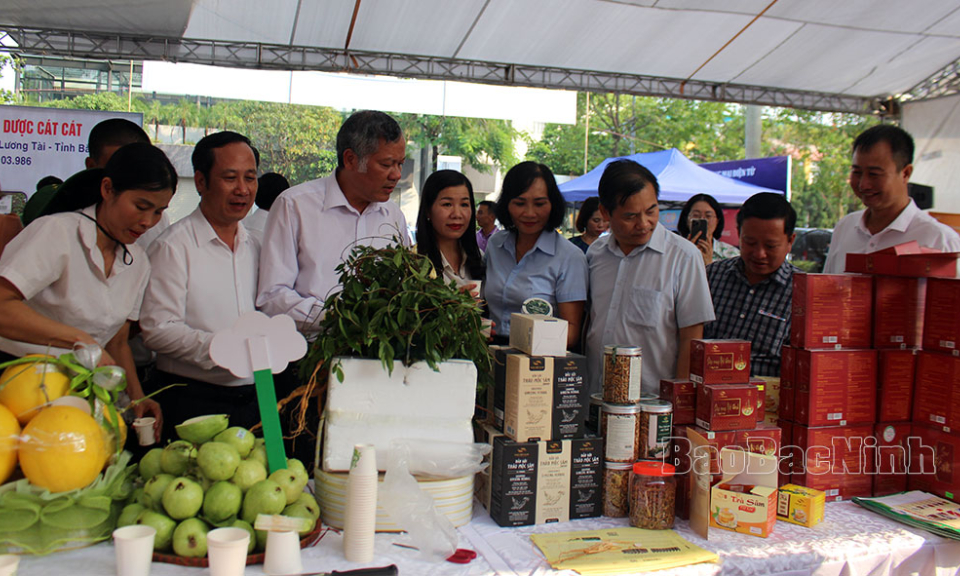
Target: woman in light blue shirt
(530, 259)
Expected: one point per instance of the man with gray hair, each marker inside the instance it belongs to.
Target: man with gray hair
(313, 227)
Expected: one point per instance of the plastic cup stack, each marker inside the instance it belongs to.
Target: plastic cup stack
(8, 564)
(360, 521)
(145, 430)
(227, 551)
(283, 554)
(134, 549)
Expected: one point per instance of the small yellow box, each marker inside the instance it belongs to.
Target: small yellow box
(800, 505)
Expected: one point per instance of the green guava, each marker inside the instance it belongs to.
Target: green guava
(183, 498)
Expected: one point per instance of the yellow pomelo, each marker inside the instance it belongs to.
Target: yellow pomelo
(26, 388)
(9, 438)
(62, 448)
(108, 432)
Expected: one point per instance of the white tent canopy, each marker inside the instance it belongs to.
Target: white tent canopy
(849, 55)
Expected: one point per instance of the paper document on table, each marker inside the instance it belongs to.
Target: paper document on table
(619, 550)
(918, 509)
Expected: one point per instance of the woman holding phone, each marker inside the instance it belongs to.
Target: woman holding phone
(701, 222)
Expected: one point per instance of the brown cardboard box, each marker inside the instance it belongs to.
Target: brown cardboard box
(835, 459)
(836, 387)
(941, 322)
(715, 440)
(831, 311)
(896, 371)
(934, 461)
(683, 395)
(937, 395)
(907, 259)
(546, 481)
(727, 406)
(898, 311)
(789, 453)
(890, 457)
(720, 361)
(788, 379)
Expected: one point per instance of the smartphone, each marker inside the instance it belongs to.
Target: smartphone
(699, 225)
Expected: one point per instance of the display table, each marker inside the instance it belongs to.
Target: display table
(850, 542)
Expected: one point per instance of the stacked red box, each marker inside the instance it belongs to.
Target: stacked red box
(890, 457)
(831, 311)
(898, 311)
(937, 396)
(788, 378)
(896, 370)
(835, 459)
(683, 395)
(720, 361)
(933, 457)
(727, 406)
(836, 387)
(941, 323)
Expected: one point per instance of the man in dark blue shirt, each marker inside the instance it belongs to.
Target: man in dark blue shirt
(752, 293)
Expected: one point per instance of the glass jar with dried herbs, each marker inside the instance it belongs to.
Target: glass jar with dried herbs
(653, 490)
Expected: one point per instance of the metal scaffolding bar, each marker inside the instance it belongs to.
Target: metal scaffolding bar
(46, 42)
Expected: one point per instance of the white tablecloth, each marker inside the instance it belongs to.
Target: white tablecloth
(850, 542)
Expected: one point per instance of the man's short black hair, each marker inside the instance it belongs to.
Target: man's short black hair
(622, 179)
(899, 140)
(269, 186)
(768, 206)
(490, 204)
(113, 132)
(203, 157)
(517, 181)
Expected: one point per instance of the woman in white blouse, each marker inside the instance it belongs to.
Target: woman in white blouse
(77, 276)
(447, 226)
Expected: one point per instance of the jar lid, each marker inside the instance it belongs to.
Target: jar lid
(648, 397)
(653, 468)
(656, 406)
(617, 465)
(620, 408)
(596, 398)
(536, 306)
(617, 349)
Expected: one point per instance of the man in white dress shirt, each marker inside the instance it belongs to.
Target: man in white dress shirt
(882, 165)
(313, 227)
(204, 276)
(648, 287)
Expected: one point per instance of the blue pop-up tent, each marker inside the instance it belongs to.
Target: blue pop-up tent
(678, 176)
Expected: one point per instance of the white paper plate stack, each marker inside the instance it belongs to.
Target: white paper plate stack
(454, 499)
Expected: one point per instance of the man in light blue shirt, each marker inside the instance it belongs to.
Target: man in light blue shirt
(648, 287)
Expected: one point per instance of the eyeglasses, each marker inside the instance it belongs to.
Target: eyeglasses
(699, 216)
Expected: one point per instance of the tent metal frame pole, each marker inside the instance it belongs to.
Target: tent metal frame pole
(101, 45)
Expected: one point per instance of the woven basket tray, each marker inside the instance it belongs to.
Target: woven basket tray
(309, 540)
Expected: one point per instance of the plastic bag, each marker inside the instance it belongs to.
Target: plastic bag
(412, 509)
(439, 459)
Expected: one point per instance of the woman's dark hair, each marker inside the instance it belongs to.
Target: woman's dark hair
(683, 226)
(517, 181)
(136, 166)
(587, 210)
(427, 236)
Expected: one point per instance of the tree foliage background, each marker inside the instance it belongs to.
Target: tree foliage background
(819, 143)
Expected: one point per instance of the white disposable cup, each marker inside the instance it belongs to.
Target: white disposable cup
(227, 551)
(360, 518)
(145, 430)
(475, 291)
(8, 564)
(283, 554)
(134, 549)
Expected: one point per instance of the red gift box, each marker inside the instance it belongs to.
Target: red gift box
(898, 311)
(934, 459)
(937, 395)
(890, 457)
(727, 406)
(907, 259)
(788, 379)
(831, 311)
(683, 395)
(720, 361)
(835, 459)
(941, 323)
(895, 375)
(836, 387)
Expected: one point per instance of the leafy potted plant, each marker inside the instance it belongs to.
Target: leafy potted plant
(393, 334)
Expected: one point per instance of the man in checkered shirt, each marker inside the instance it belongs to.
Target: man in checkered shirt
(752, 293)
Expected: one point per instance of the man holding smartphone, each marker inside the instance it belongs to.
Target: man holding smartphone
(752, 293)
